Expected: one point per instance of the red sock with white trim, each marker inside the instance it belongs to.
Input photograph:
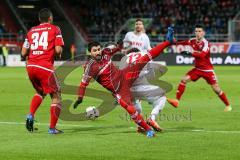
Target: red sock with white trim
(224, 99)
(136, 117)
(180, 90)
(35, 103)
(55, 111)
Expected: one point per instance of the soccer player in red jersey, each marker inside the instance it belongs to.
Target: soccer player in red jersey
(42, 43)
(203, 67)
(118, 81)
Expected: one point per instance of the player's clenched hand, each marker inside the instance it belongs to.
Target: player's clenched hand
(77, 102)
(186, 53)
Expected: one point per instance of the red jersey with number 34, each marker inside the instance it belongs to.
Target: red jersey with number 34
(41, 40)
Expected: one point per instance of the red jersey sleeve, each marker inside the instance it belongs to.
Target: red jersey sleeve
(186, 42)
(205, 50)
(88, 74)
(58, 40)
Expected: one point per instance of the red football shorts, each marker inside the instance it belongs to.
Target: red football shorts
(209, 76)
(43, 80)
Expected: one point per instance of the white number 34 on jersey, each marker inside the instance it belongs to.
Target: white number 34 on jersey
(39, 40)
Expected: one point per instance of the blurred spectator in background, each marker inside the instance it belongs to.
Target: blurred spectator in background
(5, 54)
(73, 51)
(20, 36)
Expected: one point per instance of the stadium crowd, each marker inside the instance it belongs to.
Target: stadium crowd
(107, 16)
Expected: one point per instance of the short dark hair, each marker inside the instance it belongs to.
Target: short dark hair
(199, 26)
(139, 20)
(93, 44)
(44, 14)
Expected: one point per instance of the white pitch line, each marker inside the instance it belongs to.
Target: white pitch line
(202, 130)
(82, 125)
(197, 130)
(46, 124)
(236, 132)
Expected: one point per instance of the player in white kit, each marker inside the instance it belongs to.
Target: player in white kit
(136, 43)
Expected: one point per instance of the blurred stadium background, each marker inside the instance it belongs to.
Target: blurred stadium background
(84, 20)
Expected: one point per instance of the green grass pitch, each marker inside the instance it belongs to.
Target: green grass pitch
(197, 130)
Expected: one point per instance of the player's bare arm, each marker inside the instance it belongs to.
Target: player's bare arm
(58, 51)
(24, 52)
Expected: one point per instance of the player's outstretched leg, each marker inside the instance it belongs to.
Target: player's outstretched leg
(224, 99)
(222, 96)
(180, 91)
(138, 106)
(151, 122)
(157, 50)
(136, 117)
(158, 104)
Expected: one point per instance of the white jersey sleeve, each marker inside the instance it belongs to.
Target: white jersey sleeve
(147, 43)
(126, 40)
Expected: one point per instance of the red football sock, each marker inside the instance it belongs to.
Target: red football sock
(138, 119)
(181, 89)
(55, 112)
(223, 97)
(35, 103)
